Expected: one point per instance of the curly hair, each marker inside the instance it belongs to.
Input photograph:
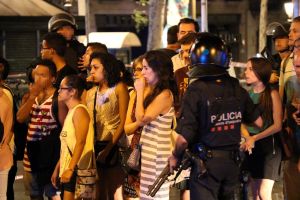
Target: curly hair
(112, 72)
(49, 64)
(162, 65)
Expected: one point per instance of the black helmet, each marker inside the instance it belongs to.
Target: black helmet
(281, 31)
(209, 49)
(60, 20)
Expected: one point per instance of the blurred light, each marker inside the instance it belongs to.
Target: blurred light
(213, 51)
(67, 3)
(202, 48)
(258, 55)
(288, 8)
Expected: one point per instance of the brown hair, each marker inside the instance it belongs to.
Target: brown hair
(262, 68)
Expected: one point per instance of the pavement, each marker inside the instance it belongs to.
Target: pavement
(277, 193)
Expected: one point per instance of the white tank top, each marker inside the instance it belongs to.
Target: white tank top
(68, 140)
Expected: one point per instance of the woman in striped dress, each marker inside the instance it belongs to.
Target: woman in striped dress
(155, 111)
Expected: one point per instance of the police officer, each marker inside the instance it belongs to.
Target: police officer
(214, 106)
(280, 36)
(65, 24)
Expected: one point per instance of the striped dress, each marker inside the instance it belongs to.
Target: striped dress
(156, 148)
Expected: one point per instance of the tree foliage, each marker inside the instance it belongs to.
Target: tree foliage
(140, 16)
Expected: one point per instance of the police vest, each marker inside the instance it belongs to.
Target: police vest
(223, 115)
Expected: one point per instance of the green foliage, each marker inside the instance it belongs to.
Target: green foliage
(143, 2)
(139, 16)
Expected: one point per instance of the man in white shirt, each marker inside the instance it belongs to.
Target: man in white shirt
(185, 26)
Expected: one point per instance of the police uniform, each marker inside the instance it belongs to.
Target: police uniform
(214, 125)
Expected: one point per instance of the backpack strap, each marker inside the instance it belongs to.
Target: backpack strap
(54, 108)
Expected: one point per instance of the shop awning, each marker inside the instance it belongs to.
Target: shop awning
(113, 40)
(27, 8)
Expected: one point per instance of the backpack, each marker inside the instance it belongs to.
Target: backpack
(222, 124)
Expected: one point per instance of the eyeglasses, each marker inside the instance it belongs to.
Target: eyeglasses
(45, 48)
(137, 69)
(64, 88)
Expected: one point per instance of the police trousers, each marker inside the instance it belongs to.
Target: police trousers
(219, 183)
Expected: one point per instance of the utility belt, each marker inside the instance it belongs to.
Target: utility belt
(206, 153)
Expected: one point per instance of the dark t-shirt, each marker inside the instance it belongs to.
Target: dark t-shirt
(74, 51)
(182, 83)
(194, 108)
(61, 74)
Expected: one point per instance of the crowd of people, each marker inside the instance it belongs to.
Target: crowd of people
(80, 119)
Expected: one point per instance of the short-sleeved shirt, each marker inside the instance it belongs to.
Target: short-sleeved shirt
(194, 109)
(177, 62)
(182, 81)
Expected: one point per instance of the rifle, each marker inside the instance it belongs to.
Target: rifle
(188, 160)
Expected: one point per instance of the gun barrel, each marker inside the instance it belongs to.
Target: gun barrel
(152, 189)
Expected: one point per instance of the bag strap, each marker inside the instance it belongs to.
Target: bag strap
(94, 114)
(70, 152)
(93, 159)
(3, 139)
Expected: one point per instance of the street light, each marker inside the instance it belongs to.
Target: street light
(288, 8)
(67, 3)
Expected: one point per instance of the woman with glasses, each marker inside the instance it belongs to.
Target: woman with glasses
(77, 139)
(133, 131)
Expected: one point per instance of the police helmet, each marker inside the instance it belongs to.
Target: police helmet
(209, 50)
(276, 30)
(281, 31)
(60, 20)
